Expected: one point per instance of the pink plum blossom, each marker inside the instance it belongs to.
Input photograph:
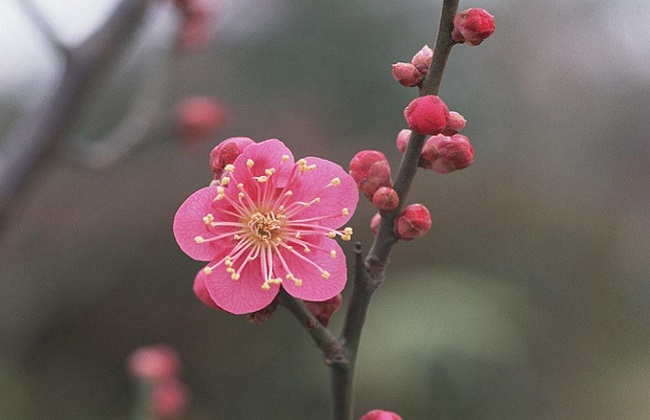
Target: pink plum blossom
(269, 222)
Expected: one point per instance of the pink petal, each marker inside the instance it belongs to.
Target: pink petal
(201, 291)
(265, 155)
(240, 296)
(188, 224)
(333, 199)
(314, 287)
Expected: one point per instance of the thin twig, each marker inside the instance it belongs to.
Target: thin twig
(44, 26)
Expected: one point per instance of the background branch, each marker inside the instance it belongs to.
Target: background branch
(44, 26)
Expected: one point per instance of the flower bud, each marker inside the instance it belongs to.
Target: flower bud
(427, 115)
(154, 363)
(407, 74)
(324, 310)
(380, 415)
(414, 222)
(264, 314)
(422, 60)
(201, 291)
(385, 199)
(472, 26)
(402, 140)
(370, 170)
(374, 224)
(455, 123)
(428, 155)
(454, 153)
(199, 117)
(226, 152)
(168, 400)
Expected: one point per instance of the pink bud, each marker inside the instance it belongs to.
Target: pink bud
(454, 153)
(370, 170)
(324, 310)
(374, 224)
(422, 60)
(154, 363)
(201, 291)
(407, 74)
(427, 115)
(455, 123)
(199, 117)
(169, 399)
(402, 140)
(199, 18)
(226, 152)
(385, 199)
(428, 155)
(414, 222)
(472, 26)
(264, 314)
(380, 415)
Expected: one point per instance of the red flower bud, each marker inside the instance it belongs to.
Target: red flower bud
(427, 115)
(154, 363)
(472, 26)
(414, 222)
(168, 400)
(324, 310)
(385, 199)
(428, 155)
(374, 224)
(402, 140)
(264, 314)
(199, 117)
(422, 60)
(380, 415)
(201, 291)
(455, 123)
(454, 153)
(370, 170)
(407, 74)
(226, 152)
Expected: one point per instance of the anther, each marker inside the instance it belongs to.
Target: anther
(333, 253)
(325, 274)
(199, 239)
(250, 163)
(345, 212)
(336, 182)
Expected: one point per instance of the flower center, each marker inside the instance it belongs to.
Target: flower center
(265, 228)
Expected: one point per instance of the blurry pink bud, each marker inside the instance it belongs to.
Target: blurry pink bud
(226, 152)
(427, 115)
(199, 117)
(324, 310)
(154, 363)
(370, 170)
(454, 153)
(169, 399)
(374, 224)
(199, 18)
(414, 222)
(380, 415)
(264, 314)
(385, 199)
(472, 26)
(455, 123)
(422, 60)
(428, 155)
(407, 74)
(402, 140)
(201, 291)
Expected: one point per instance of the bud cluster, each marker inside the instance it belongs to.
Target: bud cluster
(412, 74)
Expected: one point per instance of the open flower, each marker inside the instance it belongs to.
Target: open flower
(271, 222)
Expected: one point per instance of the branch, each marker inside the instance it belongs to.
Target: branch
(44, 26)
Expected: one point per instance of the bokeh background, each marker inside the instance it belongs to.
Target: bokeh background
(528, 299)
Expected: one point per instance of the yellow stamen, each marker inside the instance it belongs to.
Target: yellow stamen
(250, 163)
(207, 270)
(199, 239)
(333, 253)
(285, 158)
(229, 168)
(225, 180)
(331, 235)
(345, 212)
(325, 274)
(336, 182)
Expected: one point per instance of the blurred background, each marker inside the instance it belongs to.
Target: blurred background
(528, 298)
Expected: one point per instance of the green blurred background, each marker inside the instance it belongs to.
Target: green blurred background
(528, 298)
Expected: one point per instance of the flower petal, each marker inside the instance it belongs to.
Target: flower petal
(201, 291)
(264, 155)
(188, 224)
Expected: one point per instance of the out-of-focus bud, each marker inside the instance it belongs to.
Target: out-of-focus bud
(264, 314)
(422, 60)
(199, 18)
(169, 400)
(370, 170)
(380, 415)
(324, 310)
(427, 115)
(414, 222)
(199, 117)
(154, 363)
(455, 123)
(385, 199)
(201, 291)
(407, 74)
(402, 140)
(454, 153)
(226, 152)
(472, 26)
(374, 224)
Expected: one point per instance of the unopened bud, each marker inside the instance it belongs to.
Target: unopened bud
(455, 123)
(264, 314)
(154, 363)
(226, 152)
(407, 74)
(385, 199)
(201, 291)
(402, 140)
(454, 153)
(199, 117)
(380, 415)
(169, 400)
(428, 155)
(414, 222)
(374, 224)
(472, 26)
(370, 170)
(422, 60)
(427, 115)
(324, 310)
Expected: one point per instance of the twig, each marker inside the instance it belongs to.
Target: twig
(44, 26)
